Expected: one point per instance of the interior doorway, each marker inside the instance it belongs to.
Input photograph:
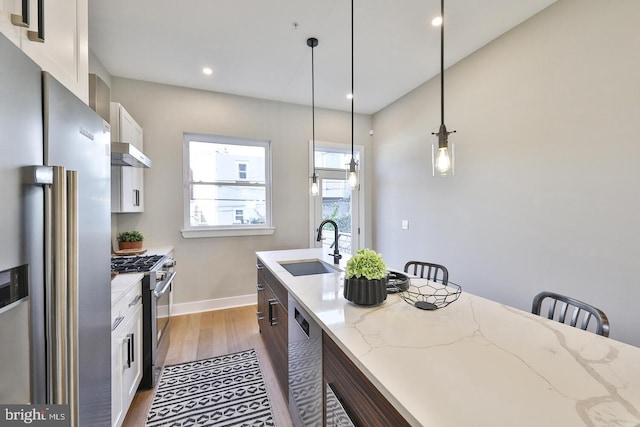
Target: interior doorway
(336, 200)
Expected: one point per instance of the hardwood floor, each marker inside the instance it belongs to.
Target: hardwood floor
(214, 333)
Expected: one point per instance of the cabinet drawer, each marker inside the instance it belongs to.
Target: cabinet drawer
(127, 305)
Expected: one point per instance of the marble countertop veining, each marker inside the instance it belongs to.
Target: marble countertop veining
(475, 362)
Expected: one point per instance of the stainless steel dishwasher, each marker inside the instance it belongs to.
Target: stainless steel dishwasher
(305, 367)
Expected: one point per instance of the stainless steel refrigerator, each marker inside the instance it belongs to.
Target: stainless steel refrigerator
(55, 238)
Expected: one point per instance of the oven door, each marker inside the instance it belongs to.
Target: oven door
(162, 315)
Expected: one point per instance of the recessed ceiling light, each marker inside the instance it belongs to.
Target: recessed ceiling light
(349, 96)
(207, 71)
(437, 21)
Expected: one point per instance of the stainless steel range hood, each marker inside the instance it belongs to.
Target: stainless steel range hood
(125, 154)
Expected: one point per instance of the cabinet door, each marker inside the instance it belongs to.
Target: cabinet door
(127, 183)
(64, 52)
(274, 325)
(359, 399)
(131, 357)
(117, 414)
(8, 8)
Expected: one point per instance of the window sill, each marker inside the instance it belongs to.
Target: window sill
(227, 232)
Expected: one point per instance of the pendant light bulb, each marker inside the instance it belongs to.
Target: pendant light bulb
(443, 160)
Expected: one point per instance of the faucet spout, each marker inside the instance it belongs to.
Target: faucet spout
(336, 252)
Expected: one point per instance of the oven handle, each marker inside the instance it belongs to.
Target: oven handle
(159, 292)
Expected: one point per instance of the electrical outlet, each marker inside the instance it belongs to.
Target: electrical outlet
(405, 224)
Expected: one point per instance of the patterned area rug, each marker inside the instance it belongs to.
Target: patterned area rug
(222, 391)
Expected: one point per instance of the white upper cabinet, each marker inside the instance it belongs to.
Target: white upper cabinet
(10, 10)
(63, 50)
(127, 183)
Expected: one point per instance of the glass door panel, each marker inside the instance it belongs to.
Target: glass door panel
(338, 203)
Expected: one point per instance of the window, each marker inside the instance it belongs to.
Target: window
(239, 216)
(242, 171)
(227, 186)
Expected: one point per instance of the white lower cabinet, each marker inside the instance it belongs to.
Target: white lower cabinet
(126, 353)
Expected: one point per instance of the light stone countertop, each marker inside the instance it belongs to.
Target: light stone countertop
(121, 284)
(475, 362)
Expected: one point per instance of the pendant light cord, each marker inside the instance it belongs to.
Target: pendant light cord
(442, 63)
(312, 42)
(353, 95)
(313, 113)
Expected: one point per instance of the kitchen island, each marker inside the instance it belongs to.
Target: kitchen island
(475, 362)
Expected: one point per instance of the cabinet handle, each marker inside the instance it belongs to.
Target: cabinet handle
(259, 266)
(38, 36)
(117, 322)
(335, 404)
(272, 320)
(21, 20)
(259, 287)
(131, 356)
(128, 350)
(135, 301)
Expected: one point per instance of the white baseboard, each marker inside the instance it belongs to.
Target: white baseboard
(213, 304)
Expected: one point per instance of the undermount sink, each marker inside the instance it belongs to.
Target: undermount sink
(308, 267)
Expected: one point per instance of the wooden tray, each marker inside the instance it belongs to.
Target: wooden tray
(126, 252)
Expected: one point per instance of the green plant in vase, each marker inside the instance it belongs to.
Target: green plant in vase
(130, 240)
(365, 278)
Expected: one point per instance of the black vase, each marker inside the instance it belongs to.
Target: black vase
(363, 291)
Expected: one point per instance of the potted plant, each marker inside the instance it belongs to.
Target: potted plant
(365, 278)
(128, 240)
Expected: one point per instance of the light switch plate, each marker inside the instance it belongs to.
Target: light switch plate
(405, 224)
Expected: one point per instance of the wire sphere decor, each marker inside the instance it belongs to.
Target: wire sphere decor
(429, 295)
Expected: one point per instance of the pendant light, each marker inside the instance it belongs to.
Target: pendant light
(352, 172)
(442, 151)
(315, 190)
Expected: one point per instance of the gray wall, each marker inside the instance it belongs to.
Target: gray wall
(212, 268)
(545, 195)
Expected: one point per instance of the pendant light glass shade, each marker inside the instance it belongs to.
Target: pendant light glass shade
(314, 187)
(442, 153)
(352, 174)
(442, 150)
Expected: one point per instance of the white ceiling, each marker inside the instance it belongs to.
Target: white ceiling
(258, 47)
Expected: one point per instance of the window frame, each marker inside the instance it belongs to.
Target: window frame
(196, 231)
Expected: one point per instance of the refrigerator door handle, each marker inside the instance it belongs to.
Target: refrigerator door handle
(57, 289)
(72, 276)
(62, 289)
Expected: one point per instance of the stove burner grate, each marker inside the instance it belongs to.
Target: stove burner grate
(136, 264)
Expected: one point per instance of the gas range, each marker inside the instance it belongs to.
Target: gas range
(157, 286)
(136, 264)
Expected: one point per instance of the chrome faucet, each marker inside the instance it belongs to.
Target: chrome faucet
(336, 253)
